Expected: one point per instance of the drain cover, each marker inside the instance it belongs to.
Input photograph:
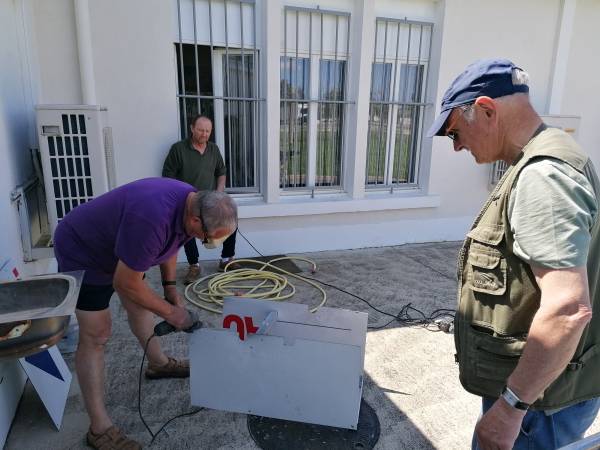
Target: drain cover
(277, 434)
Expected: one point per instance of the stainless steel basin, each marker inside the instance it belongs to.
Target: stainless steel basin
(39, 297)
(44, 303)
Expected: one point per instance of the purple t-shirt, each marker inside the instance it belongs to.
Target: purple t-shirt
(140, 223)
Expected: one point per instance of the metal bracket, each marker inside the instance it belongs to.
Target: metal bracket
(266, 324)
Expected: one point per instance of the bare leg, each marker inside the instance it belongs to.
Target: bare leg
(94, 332)
(141, 322)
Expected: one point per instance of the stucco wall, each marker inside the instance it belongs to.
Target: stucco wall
(135, 74)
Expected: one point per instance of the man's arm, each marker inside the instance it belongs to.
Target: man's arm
(172, 164)
(221, 183)
(167, 272)
(129, 283)
(555, 331)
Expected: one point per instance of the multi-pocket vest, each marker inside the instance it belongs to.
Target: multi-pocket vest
(498, 295)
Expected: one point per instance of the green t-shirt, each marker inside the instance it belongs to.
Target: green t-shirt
(551, 210)
(187, 164)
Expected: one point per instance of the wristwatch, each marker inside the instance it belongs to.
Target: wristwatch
(169, 283)
(513, 399)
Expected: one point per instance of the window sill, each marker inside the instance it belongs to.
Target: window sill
(334, 204)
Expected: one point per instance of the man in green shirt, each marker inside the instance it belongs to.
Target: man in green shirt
(198, 162)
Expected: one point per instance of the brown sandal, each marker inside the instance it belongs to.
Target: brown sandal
(111, 439)
(175, 368)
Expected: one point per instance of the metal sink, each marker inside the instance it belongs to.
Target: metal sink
(44, 303)
(39, 297)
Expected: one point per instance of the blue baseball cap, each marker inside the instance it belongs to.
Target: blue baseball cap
(485, 77)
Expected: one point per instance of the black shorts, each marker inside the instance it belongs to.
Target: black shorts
(94, 297)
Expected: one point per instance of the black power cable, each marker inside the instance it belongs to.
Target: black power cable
(430, 322)
(154, 435)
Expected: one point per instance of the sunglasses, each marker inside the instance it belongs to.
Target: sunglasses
(453, 134)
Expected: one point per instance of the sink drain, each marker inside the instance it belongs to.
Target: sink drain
(277, 434)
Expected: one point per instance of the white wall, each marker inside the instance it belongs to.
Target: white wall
(15, 168)
(135, 74)
(474, 29)
(57, 58)
(582, 87)
(14, 130)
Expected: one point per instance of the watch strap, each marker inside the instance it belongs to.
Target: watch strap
(513, 399)
(169, 283)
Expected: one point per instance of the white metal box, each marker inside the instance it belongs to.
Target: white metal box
(291, 364)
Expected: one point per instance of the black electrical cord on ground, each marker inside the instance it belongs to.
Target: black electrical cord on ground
(426, 321)
(249, 243)
(154, 435)
(404, 315)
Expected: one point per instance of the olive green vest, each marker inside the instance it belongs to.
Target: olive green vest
(498, 295)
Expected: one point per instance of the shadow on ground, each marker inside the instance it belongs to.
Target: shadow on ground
(410, 377)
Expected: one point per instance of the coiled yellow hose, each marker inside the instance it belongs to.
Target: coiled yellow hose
(250, 283)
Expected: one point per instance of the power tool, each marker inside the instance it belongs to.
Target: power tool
(165, 327)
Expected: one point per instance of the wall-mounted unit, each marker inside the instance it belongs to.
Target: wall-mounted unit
(569, 124)
(77, 156)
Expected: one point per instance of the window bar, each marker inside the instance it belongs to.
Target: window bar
(372, 106)
(307, 94)
(183, 100)
(335, 108)
(344, 97)
(320, 136)
(405, 82)
(210, 36)
(284, 172)
(393, 111)
(425, 81)
(198, 101)
(229, 152)
(243, 103)
(296, 159)
(256, 134)
(383, 122)
(415, 111)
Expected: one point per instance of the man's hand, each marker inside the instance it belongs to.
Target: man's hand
(180, 318)
(499, 427)
(173, 297)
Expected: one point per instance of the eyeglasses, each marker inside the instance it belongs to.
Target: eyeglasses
(205, 239)
(453, 134)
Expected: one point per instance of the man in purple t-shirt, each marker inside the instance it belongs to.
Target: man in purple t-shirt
(115, 238)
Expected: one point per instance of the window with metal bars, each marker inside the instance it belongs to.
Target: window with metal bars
(398, 79)
(313, 97)
(218, 76)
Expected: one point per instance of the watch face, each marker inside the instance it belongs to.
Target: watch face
(511, 398)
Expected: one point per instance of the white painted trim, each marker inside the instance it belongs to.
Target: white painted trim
(84, 46)
(271, 13)
(337, 203)
(561, 57)
(362, 40)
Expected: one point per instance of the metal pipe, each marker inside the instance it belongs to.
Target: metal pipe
(84, 47)
(181, 73)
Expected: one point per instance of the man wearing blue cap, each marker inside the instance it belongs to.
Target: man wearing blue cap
(529, 269)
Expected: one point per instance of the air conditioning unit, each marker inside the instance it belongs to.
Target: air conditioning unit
(77, 156)
(569, 124)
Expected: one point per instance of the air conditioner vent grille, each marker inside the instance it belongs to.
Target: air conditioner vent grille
(70, 165)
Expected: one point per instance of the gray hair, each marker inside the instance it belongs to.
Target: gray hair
(216, 210)
(519, 78)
